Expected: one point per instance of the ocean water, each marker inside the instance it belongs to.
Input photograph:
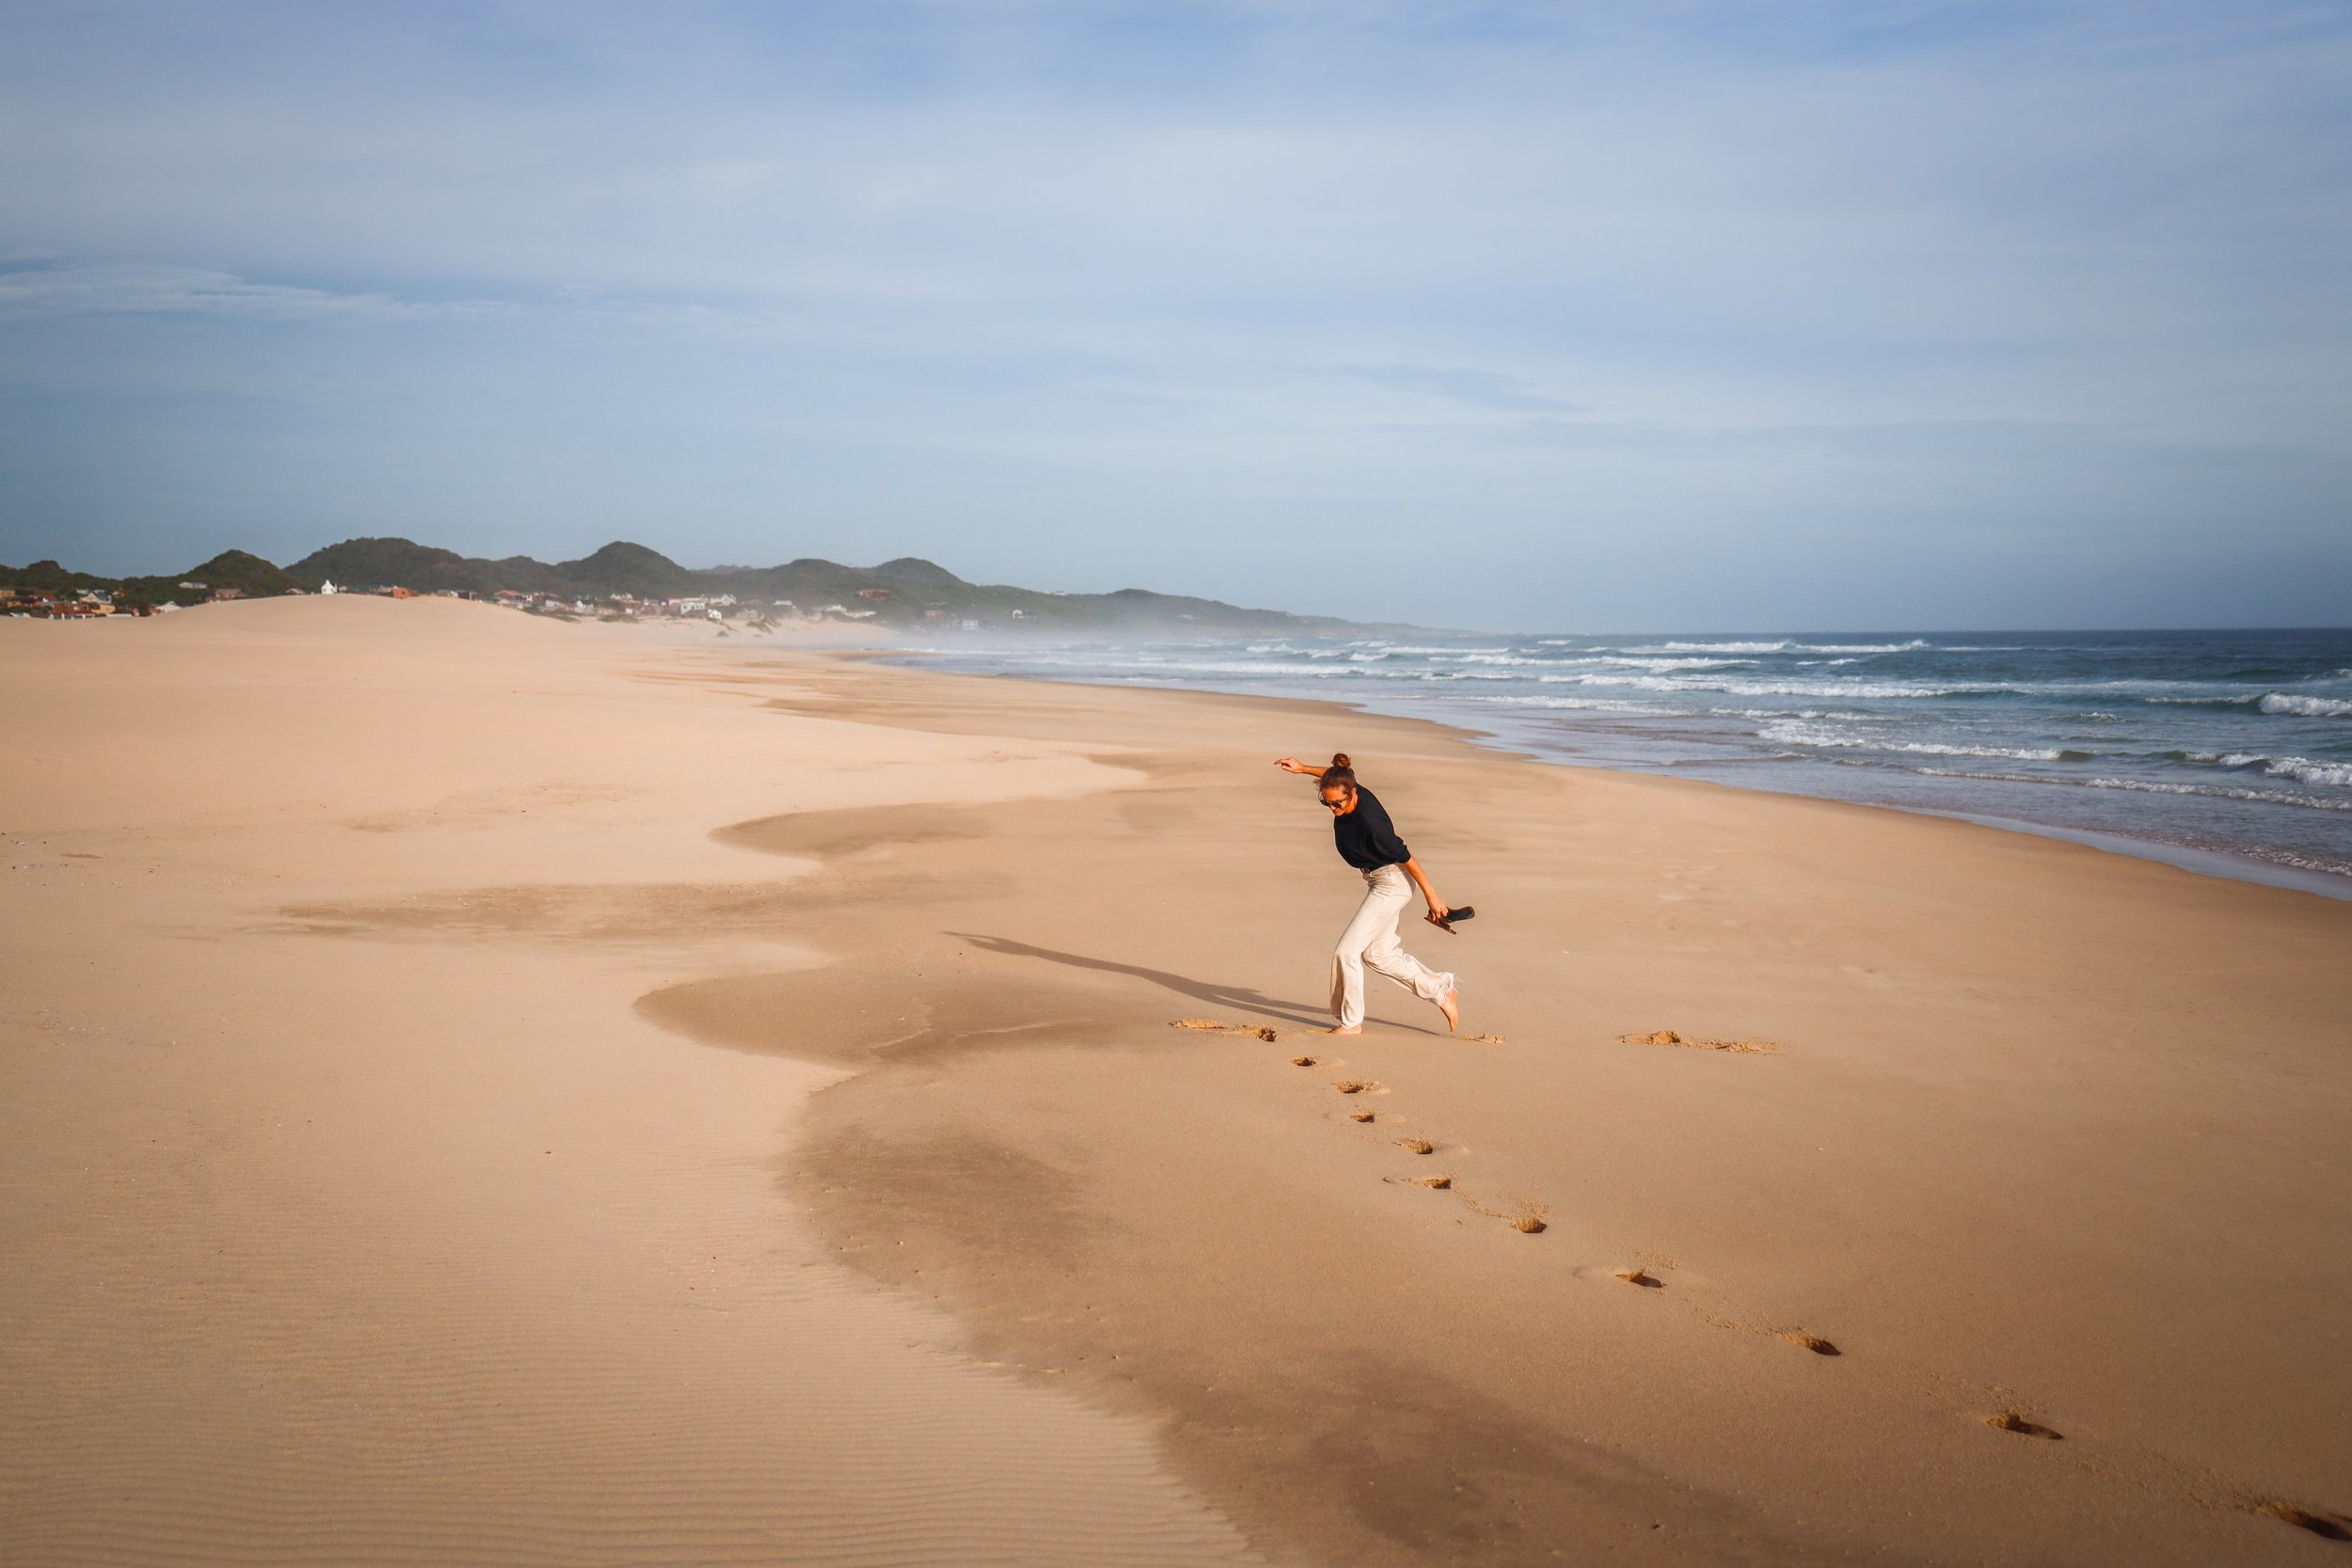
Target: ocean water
(2190, 744)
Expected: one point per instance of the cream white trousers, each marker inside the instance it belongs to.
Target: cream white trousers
(1371, 939)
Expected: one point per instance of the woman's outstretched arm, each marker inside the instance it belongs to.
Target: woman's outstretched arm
(1292, 765)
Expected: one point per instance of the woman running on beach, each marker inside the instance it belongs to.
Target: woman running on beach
(1367, 841)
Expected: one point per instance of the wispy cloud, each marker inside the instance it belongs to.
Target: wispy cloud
(157, 288)
(1473, 389)
(974, 277)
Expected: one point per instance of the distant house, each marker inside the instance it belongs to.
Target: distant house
(328, 586)
(873, 592)
(221, 595)
(193, 587)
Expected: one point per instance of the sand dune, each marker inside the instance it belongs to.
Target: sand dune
(380, 1196)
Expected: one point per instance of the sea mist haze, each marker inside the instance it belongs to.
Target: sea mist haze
(2236, 744)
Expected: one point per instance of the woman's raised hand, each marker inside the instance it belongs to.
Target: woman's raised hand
(1292, 765)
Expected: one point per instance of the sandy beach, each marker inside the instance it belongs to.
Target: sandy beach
(483, 1089)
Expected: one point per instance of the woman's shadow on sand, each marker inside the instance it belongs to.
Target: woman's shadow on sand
(1239, 998)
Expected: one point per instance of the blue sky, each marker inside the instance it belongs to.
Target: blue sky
(1566, 317)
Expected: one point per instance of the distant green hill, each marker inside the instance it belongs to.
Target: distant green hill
(906, 592)
(247, 574)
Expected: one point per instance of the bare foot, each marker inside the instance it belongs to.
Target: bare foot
(1451, 1008)
(1345, 1029)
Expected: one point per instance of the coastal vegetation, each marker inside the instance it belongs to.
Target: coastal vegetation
(906, 592)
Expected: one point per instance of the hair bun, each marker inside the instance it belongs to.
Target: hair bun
(1338, 759)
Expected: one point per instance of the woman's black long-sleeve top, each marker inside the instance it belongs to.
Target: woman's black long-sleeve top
(1365, 837)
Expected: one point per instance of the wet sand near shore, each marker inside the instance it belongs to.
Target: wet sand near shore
(2007, 1228)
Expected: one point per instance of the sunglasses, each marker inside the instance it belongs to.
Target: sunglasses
(1335, 805)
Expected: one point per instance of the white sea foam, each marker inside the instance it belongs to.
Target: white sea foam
(2332, 775)
(1710, 648)
(1850, 716)
(1916, 644)
(1797, 733)
(1847, 687)
(1654, 666)
(2302, 769)
(1781, 646)
(2150, 786)
(1579, 704)
(2307, 707)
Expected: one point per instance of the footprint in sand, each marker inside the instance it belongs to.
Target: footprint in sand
(1526, 1217)
(1416, 1146)
(1691, 1043)
(2009, 1421)
(1361, 1115)
(1303, 1061)
(1813, 1342)
(1356, 1086)
(1218, 1026)
(1643, 1278)
(2327, 1527)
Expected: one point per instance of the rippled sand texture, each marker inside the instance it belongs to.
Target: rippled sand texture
(335, 1239)
(483, 1090)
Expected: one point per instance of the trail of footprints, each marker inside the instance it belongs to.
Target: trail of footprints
(1527, 1218)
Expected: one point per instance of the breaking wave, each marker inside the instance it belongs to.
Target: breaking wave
(2307, 707)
